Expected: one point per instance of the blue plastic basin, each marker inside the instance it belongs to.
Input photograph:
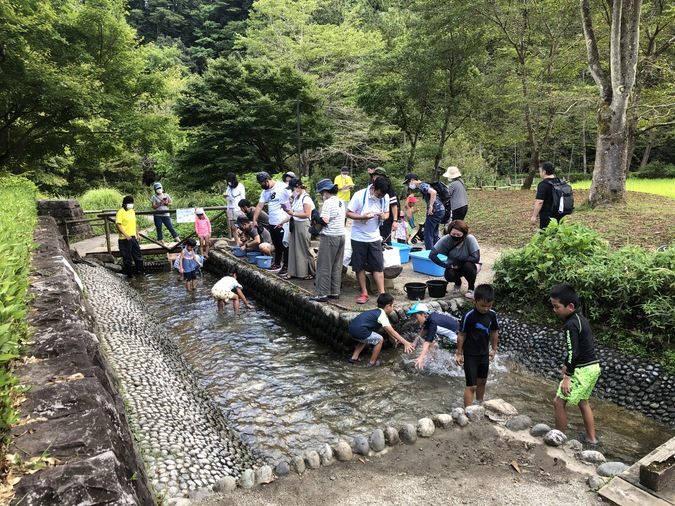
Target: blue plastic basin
(404, 251)
(263, 261)
(422, 264)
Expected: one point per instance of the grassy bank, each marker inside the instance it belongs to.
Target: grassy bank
(663, 187)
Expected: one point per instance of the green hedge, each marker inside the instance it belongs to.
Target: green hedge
(17, 222)
(629, 292)
(655, 170)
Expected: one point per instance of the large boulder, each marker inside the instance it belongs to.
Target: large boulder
(376, 440)
(342, 451)
(520, 422)
(442, 420)
(610, 469)
(539, 430)
(425, 427)
(500, 406)
(475, 413)
(555, 438)
(408, 433)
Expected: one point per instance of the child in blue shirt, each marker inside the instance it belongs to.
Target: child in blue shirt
(362, 329)
(432, 324)
(189, 263)
(478, 332)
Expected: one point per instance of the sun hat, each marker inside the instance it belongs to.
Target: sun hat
(452, 172)
(419, 307)
(409, 176)
(199, 210)
(325, 185)
(263, 176)
(379, 171)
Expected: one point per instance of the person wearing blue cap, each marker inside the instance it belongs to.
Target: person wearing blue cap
(432, 324)
(161, 201)
(331, 219)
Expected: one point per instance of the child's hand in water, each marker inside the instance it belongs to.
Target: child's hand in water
(408, 347)
(419, 363)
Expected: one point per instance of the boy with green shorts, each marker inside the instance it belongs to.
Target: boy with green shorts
(582, 369)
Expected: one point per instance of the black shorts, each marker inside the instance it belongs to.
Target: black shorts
(189, 276)
(476, 367)
(367, 256)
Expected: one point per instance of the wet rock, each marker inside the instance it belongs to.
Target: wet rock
(226, 484)
(298, 464)
(179, 501)
(408, 433)
(342, 451)
(611, 469)
(376, 440)
(391, 436)
(500, 406)
(326, 455)
(475, 413)
(539, 430)
(282, 468)
(425, 427)
(264, 475)
(456, 412)
(592, 457)
(443, 420)
(360, 445)
(312, 459)
(247, 478)
(462, 420)
(555, 438)
(575, 445)
(596, 482)
(199, 494)
(520, 422)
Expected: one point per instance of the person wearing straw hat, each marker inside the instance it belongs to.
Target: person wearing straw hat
(459, 201)
(301, 261)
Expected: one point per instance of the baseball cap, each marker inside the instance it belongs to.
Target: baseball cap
(293, 183)
(418, 307)
(409, 176)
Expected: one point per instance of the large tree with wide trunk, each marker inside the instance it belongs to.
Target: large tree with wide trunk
(615, 88)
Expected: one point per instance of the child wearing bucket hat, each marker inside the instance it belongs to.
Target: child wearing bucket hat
(431, 325)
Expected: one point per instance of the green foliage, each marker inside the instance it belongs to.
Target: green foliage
(629, 291)
(16, 231)
(655, 170)
(100, 199)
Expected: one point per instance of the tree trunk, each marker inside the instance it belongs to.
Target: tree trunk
(648, 149)
(442, 138)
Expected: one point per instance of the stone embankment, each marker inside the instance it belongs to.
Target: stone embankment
(72, 414)
(184, 438)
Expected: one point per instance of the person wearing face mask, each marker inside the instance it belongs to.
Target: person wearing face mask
(233, 194)
(301, 261)
(463, 254)
(160, 202)
(276, 196)
(129, 237)
(435, 208)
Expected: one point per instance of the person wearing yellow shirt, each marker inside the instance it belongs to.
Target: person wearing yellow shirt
(130, 248)
(345, 184)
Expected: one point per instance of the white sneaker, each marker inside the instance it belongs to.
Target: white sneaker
(469, 294)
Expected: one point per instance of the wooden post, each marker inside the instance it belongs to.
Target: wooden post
(106, 227)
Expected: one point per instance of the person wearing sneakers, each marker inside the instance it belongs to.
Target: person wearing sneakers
(368, 209)
(432, 324)
(161, 201)
(276, 196)
(331, 242)
(463, 254)
(582, 368)
(459, 201)
(362, 330)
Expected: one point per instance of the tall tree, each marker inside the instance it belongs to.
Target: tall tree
(615, 86)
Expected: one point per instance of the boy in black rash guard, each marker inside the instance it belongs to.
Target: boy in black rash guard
(478, 331)
(581, 370)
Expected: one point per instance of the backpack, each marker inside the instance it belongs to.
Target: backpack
(563, 198)
(443, 194)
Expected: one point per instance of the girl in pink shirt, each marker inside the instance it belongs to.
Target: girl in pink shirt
(203, 229)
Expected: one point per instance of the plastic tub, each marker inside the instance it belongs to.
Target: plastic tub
(404, 251)
(263, 261)
(437, 288)
(238, 252)
(252, 256)
(422, 264)
(415, 291)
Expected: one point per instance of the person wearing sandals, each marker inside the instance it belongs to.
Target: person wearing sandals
(331, 242)
(301, 261)
(459, 201)
(362, 330)
(463, 254)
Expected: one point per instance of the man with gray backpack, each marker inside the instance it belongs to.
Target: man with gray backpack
(554, 197)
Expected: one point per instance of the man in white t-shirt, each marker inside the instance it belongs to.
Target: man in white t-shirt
(276, 196)
(368, 208)
(233, 194)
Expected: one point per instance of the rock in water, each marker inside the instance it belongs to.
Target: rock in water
(247, 478)
(611, 469)
(500, 406)
(456, 412)
(408, 433)
(226, 484)
(555, 438)
(282, 468)
(462, 420)
(298, 464)
(425, 427)
(312, 459)
(391, 436)
(592, 457)
(475, 413)
(520, 422)
(376, 440)
(442, 420)
(264, 475)
(326, 455)
(541, 429)
(361, 445)
(342, 451)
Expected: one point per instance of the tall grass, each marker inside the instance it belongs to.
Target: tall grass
(663, 187)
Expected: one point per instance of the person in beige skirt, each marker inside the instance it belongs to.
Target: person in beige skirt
(301, 261)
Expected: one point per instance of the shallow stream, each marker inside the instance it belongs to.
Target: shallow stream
(286, 392)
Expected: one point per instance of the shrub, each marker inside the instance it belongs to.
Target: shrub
(101, 198)
(655, 170)
(629, 291)
(16, 232)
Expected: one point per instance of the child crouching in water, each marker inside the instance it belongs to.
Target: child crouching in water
(432, 324)
(362, 329)
(189, 264)
(477, 331)
(226, 289)
(582, 369)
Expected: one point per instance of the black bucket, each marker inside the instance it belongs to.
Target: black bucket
(415, 291)
(437, 288)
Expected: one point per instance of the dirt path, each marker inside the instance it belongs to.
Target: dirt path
(457, 466)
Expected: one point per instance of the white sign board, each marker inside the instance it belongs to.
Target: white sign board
(186, 215)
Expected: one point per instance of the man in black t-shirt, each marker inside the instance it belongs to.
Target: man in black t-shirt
(543, 201)
(389, 225)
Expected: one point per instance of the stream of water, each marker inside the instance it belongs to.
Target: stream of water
(286, 392)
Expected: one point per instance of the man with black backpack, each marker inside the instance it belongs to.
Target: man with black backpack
(554, 197)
